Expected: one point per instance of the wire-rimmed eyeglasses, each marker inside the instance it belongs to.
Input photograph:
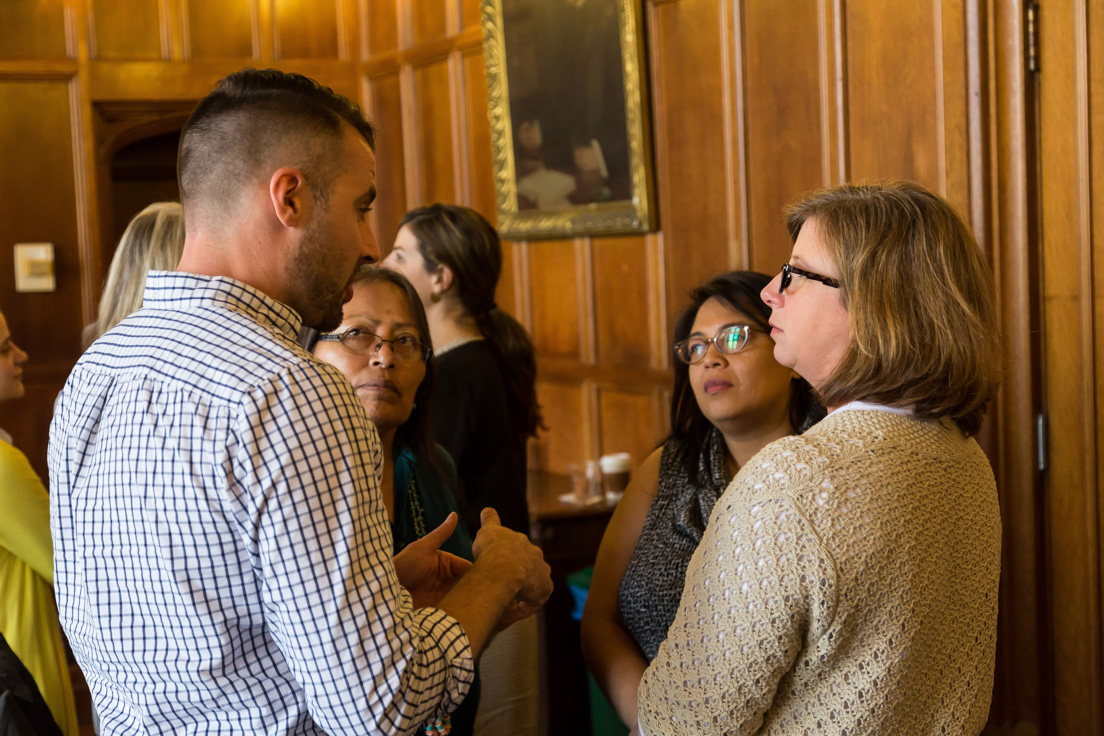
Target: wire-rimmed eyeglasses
(731, 339)
(362, 342)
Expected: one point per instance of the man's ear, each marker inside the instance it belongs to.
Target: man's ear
(289, 196)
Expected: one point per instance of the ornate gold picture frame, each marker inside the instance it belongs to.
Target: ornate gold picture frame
(568, 106)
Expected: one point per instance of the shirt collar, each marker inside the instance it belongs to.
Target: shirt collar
(866, 406)
(175, 290)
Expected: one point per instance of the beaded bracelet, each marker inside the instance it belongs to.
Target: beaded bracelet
(440, 726)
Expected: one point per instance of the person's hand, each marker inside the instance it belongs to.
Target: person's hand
(588, 159)
(514, 553)
(516, 612)
(427, 571)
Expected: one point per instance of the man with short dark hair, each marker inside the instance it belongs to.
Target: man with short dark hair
(222, 551)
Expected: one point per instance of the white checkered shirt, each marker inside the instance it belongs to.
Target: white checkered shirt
(221, 550)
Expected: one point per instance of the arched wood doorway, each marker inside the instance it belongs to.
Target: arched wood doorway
(136, 145)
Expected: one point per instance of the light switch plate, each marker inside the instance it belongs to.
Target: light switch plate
(34, 267)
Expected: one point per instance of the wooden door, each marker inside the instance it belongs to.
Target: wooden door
(1071, 216)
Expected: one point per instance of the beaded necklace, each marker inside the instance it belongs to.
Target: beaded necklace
(416, 509)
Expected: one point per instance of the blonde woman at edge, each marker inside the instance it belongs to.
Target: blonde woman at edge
(153, 241)
(28, 614)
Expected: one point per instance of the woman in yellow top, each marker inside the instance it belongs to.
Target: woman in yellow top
(28, 614)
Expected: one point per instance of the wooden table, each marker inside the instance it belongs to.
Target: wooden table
(569, 535)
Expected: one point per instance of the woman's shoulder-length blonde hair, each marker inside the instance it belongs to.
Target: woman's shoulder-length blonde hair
(920, 301)
(153, 241)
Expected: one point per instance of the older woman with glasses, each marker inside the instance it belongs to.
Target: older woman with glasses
(383, 348)
(847, 580)
(731, 398)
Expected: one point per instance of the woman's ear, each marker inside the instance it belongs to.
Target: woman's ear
(441, 281)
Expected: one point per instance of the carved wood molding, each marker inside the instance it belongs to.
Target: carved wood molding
(38, 69)
(118, 124)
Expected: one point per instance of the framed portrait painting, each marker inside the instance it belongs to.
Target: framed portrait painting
(568, 102)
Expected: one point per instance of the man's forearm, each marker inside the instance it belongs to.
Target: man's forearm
(479, 600)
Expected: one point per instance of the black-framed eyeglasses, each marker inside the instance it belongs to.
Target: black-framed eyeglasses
(731, 339)
(362, 342)
(787, 276)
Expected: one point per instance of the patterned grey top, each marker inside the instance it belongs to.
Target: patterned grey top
(652, 585)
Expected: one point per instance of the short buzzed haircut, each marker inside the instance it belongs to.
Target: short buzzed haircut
(254, 122)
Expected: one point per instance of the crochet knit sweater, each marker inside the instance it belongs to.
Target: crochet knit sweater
(846, 584)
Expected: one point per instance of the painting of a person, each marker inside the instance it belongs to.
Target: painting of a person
(567, 102)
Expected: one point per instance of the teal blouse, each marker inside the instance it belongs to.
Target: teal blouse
(434, 499)
(436, 502)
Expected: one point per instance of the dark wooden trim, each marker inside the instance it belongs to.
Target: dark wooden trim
(566, 370)
(1023, 633)
(428, 52)
(38, 69)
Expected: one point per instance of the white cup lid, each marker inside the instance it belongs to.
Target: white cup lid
(620, 462)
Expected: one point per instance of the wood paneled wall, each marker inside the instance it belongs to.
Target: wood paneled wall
(1071, 155)
(753, 103)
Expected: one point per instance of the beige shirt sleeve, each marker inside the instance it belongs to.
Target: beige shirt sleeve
(759, 592)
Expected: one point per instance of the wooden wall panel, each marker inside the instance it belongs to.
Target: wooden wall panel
(622, 317)
(695, 189)
(961, 170)
(565, 442)
(480, 179)
(429, 19)
(506, 295)
(36, 134)
(219, 29)
(307, 29)
(629, 421)
(381, 27)
(32, 30)
(555, 296)
(783, 111)
(127, 31)
(469, 13)
(892, 98)
(1072, 225)
(1023, 691)
(1096, 174)
(753, 102)
(435, 165)
(384, 108)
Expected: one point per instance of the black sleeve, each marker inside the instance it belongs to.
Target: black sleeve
(453, 410)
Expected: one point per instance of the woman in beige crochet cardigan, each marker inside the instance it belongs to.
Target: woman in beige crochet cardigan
(847, 580)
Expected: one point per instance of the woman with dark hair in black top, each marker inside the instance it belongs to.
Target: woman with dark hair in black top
(730, 399)
(486, 394)
(486, 409)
